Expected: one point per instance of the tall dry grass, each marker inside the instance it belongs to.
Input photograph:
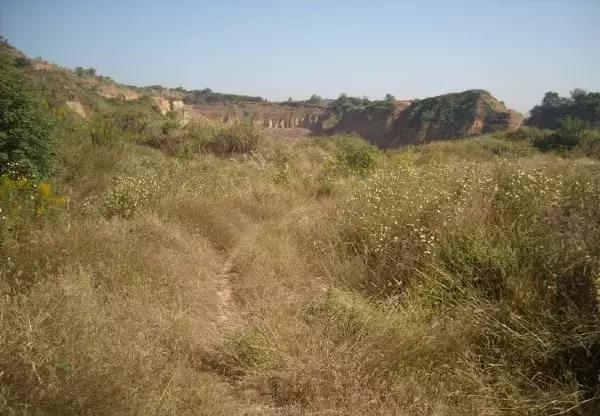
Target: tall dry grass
(450, 279)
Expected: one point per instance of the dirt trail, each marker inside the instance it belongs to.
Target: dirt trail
(224, 293)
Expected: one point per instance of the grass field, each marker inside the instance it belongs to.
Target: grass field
(316, 276)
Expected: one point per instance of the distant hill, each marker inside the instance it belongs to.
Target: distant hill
(392, 124)
(388, 123)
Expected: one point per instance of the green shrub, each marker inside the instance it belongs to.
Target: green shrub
(524, 133)
(82, 72)
(570, 134)
(352, 155)
(22, 62)
(206, 136)
(26, 130)
(241, 137)
(590, 144)
(220, 139)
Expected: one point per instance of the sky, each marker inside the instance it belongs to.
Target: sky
(516, 49)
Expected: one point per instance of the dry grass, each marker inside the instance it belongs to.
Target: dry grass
(279, 283)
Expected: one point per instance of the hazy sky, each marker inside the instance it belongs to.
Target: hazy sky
(516, 49)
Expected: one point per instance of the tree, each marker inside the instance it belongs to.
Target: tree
(578, 95)
(551, 99)
(315, 100)
(82, 72)
(26, 131)
(22, 62)
(390, 98)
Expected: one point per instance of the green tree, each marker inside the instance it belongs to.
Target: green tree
(551, 99)
(578, 95)
(315, 100)
(390, 98)
(22, 62)
(26, 131)
(82, 72)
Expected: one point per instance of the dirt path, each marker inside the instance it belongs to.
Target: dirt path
(224, 293)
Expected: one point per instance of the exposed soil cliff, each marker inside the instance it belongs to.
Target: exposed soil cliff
(469, 113)
(268, 115)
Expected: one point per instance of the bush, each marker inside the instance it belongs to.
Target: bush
(353, 155)
(241, 137)
(82, 72)
(570, 134)
(22, 62)
(206, 136)
(524, 133)
(590, 145)
(26, 130)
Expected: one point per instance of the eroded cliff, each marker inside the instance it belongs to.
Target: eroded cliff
(393, 124)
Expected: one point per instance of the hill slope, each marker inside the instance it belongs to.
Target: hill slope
(469, 113)
(386, 124)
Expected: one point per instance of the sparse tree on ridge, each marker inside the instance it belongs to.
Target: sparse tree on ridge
(315, 99)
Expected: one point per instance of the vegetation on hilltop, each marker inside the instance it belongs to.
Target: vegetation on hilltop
(581, 105)
(207, 96)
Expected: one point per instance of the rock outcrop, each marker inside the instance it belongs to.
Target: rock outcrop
(177, 105)
(77, 107)
(114, 91)
(163, 105)
(42, 66)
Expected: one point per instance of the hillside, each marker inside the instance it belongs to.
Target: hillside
(385, 124)
(449, 116)
(86, 93)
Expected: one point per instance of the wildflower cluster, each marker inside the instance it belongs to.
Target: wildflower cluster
(528, 193)
(129, 194)
(396, 216)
